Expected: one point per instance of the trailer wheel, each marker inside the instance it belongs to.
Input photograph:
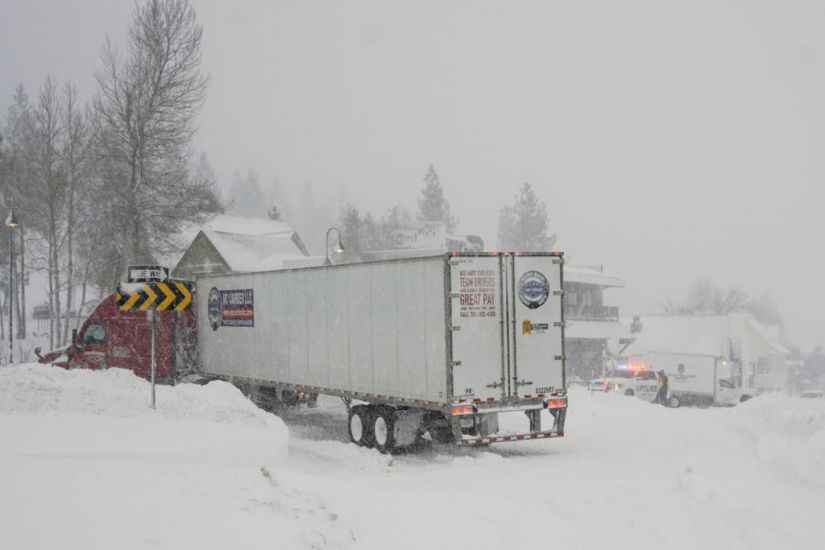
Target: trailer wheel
(384, 429)
(359, 426)
(629, 392)
(673, 402)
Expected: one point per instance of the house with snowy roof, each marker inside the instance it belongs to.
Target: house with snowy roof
(593, 336)
(231, 244)
(757, 357)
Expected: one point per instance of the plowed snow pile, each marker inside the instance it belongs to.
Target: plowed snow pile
(85, 463)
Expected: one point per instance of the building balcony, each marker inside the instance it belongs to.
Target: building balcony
(607, 314)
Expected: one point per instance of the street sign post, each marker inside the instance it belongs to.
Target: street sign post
(152, 297)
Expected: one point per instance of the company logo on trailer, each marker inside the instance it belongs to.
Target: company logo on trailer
(231, 308)
(214, 308)
(533, 289)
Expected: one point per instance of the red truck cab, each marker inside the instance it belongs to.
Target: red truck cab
(110, 338)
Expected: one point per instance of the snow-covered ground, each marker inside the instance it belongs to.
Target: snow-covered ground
(84, 463)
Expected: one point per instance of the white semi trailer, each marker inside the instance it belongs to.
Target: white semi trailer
(422, 347)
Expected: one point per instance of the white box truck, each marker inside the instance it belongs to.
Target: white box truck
(696, 379)
(432, 347)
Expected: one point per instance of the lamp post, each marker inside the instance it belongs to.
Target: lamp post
(11, 223)
(339, 249)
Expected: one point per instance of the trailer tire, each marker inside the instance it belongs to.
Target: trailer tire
(359, 426)
(383, 429)
(629, 393)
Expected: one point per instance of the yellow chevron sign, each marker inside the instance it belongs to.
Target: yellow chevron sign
(175, 296)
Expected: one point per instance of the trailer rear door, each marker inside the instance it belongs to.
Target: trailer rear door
(536, 335)
(477, 327)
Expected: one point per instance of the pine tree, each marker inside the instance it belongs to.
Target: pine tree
(354, 231)
(524, 225)
(432, 206)
(246, 195)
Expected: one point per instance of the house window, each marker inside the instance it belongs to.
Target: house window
(762, 366)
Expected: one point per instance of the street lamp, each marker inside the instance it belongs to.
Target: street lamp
(11, 223)
(339, 249)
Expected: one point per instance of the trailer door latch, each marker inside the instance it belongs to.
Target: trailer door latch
(455, 328)
(456, 363)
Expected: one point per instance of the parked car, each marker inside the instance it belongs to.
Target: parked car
(600, 384)
(639, 383)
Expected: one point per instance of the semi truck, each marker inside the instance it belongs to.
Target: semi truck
(696, 379)
(433, 348)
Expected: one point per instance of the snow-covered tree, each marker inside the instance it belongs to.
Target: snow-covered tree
(362, 233)
(148, 96)
(246, 197)
(357, 231)
(523, 226)
(704, 297)
(432, 206)
(49, 140)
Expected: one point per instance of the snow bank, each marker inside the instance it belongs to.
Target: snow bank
(85, 463)
(788, 432)
(42, 389)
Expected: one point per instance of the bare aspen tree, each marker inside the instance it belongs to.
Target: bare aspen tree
(47, 144)
(148, 97)
(75, 170)
(40, 187)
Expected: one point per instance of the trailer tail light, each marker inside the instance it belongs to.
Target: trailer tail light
(555, 403)
(463, 409)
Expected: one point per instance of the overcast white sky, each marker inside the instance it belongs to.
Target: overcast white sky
(669, 140)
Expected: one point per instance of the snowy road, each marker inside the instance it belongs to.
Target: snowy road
(207, 470)
(629, 475)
